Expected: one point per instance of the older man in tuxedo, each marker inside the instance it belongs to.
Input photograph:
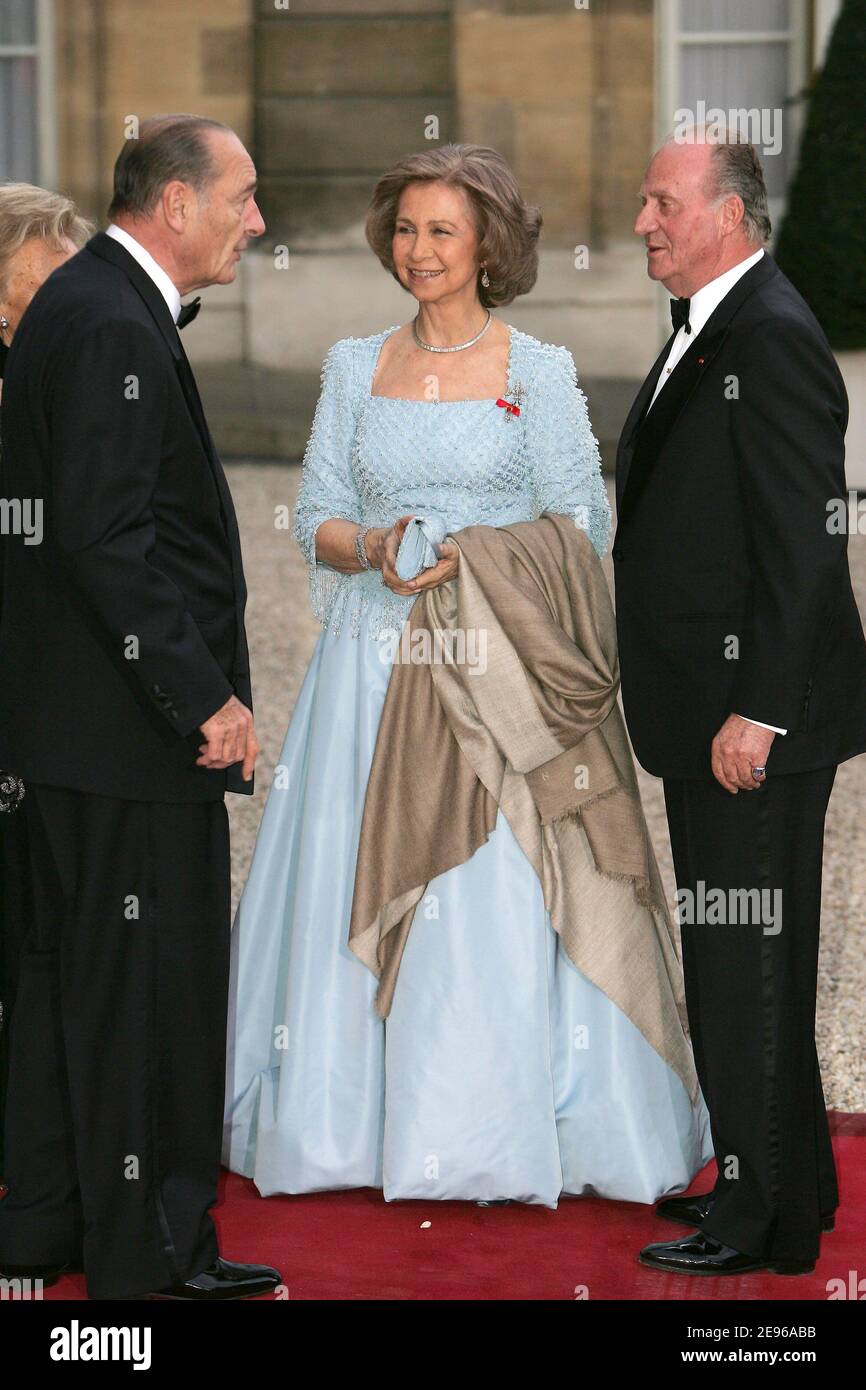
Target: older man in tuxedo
(125, 705)
(744, 683)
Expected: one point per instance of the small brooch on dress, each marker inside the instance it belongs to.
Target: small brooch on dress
(512, 408)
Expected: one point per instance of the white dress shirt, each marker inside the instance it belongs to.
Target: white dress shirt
(163, 282)
(702, 304)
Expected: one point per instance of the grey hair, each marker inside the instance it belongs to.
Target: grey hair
(166, 148)
(734, 169)
(27, 211)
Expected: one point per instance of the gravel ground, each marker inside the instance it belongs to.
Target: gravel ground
(282, 632)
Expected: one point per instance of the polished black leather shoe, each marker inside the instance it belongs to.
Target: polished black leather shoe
(225, 1280)
(701, 1254)
(47, 1275)
(692, 1211)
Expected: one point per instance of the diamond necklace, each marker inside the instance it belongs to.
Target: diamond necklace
(458, 347)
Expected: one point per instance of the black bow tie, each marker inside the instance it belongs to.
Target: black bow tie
(680, 314)
(189, 311)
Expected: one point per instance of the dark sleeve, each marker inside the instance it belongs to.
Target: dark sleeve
(2, 494)
(107, 401)
(788, 430)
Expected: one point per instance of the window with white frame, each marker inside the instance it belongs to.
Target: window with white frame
(746, 59)
(26, 103)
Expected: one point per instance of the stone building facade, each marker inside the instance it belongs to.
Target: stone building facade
(328, 93)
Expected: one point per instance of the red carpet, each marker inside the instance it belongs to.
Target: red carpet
(353, 1245)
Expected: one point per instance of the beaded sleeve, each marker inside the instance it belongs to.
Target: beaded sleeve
(328, 487)
(563, 451)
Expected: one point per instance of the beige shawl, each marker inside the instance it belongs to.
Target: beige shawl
(522, 717)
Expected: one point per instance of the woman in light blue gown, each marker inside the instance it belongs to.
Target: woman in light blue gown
(501, 1071)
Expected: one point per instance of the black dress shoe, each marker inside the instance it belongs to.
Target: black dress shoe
(700, 1254)
(225, 1280)
(46, 1275)
(692, 1211)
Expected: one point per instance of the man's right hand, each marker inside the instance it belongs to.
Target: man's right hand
(231, 738)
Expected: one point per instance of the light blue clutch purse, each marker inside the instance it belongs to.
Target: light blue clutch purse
(420, 546)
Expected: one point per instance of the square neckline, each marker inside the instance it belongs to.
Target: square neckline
(463, 400)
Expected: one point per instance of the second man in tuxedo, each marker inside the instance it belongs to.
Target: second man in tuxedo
(743, 669)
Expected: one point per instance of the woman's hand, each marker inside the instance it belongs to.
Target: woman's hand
(440, 573)
(446, 568)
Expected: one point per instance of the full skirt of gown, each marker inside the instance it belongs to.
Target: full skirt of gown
(501, 1072)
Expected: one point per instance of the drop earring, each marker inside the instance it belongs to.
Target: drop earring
(485, 278)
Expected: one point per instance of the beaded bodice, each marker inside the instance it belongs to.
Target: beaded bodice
(372, 459)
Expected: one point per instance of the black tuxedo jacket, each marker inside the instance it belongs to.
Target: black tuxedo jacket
(123, 631)
(732, 595)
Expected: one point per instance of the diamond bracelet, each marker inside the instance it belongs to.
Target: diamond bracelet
(359, 547)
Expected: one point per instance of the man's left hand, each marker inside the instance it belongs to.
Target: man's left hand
(736, 749)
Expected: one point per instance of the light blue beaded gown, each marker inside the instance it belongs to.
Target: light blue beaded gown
(501, 1072)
